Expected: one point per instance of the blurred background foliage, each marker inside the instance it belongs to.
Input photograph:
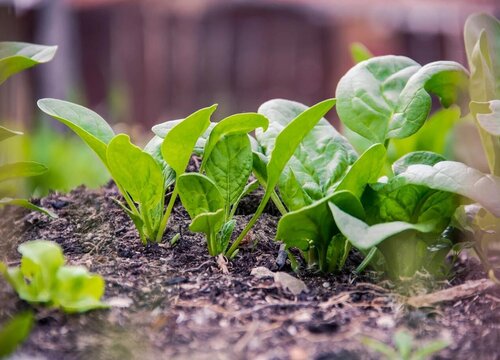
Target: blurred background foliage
(141, 62)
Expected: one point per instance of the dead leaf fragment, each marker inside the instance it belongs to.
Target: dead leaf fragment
(290, 283)
(120, 301)
(262, 272)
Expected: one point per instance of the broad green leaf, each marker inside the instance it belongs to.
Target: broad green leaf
(161, 130)
(319, 160)
(77, 290)
(229, 165)
(153, 147)
(136, 171)
(416, 157)
(315, 225)
(26, 204)
(36, 276)
(14, 332)
(88, 125)
(364, 236)
(199, 194)
(7, 133)
(365, 170)
(457, 178)
(488, 117)
(436, 135)
(359, 52)
(233, 125)
(209, 223)
(179, 142)
(18, 56)
(389, 96)
(21, 170)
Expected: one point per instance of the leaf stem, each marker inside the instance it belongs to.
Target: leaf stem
(279, 204)
(166, 215)
(366, 261)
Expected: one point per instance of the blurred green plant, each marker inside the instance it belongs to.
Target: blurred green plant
(14, 332)
(404, 347)
(42, 278)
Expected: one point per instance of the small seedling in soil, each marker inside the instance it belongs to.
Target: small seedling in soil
(14, 332)
(42, 278)
(405, 347)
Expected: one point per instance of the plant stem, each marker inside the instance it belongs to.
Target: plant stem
(166, 215)
(366, 261)
(278, 203)
(251, 223)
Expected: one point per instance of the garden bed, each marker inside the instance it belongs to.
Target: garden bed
(178, 302)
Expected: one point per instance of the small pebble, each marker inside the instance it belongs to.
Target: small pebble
(326, 284)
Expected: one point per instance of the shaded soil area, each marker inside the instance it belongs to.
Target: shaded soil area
(178, 303)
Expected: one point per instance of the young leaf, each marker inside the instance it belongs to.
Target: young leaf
(77, 290)
(199, 194)
(179, 142)
(210, 223)
(18, 56)
(26, 204)
(14, 332)
(364, 236)
(365, 170)
(229, 165)
(21, 170)
(319, 160)
(457, 178)
(153, 148)
(389, 96)
(88, 125)
(233, 125)
(285, 145)
(359, 52)
(136, 171)
(7, 133)
(161, 130)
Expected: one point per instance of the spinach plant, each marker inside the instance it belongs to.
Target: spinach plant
(268, 169)
(212, 199)
(142, 176)
(42, 278)
(385, 98)
(15, 57)
(323, 168)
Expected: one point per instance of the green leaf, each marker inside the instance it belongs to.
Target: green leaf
(26, 204)
(359, 52)
(161, 130)
(209, 223)
(77, 290)
(364, 236)
(284, 146)
(14, 332)
(18, 56)
(136, 171)
(404, 343)
(224, 236)
(34, 279)
(488, 116)
(88, 125)
(229, 165)
(199, 194)
(315, 225)
(21, 170)
(153, 148)
(416, 157)
(389, 96)
(457, 178)
(233, 125)
(317, 163)
(365, 170)
(179, 142)
(7, 133)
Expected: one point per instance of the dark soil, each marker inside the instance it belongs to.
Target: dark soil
(182, 305)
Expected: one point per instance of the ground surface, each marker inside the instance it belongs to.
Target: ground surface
(181, 305)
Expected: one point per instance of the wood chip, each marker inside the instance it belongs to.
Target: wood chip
(468, 289)
(290, 283)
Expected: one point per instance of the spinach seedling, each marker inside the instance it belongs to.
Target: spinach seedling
(14, 332)
(141, 176)
(322, 169)
(211, 200)
(42, 278)
(15, 57)
(284, 147)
